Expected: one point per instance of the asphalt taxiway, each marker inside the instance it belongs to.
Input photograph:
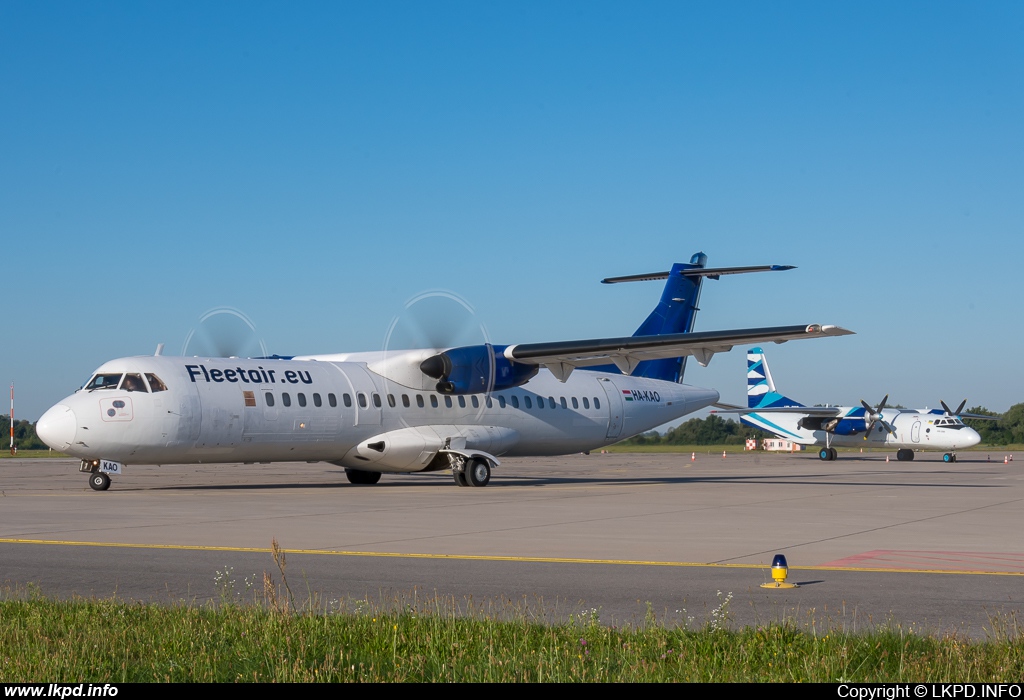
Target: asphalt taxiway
(925, 545)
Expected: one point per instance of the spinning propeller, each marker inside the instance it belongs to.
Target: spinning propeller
(435, 320)
(224, 332)
(874, 415)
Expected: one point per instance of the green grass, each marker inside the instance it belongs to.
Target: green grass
(111, 641)
(33, 454)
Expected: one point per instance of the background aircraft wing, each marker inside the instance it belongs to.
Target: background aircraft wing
(626, 353)
(822, 411)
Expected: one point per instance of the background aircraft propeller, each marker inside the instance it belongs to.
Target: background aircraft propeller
(959, 409)
(224, 332)
(874, 415)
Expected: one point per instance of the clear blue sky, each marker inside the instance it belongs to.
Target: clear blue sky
(318, 164)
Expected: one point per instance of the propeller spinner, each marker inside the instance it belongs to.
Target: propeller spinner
(874, 415)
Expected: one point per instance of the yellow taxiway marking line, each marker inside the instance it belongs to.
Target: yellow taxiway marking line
(493, 557)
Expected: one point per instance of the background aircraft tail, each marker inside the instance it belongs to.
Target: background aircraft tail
(761, 391)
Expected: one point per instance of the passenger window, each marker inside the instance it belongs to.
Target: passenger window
(551, 402)
(376, 400)
(597, 403)
(332, 400)
(476, 402)
(361, 398)
(347, 399)
(391, 400)
(447, 401)
(586, 403)
(270, 398)
(286, 399)
(501, 402)
(133, 382)
(316, 401)
(405, 400)
(528, 402)
(155, 383)
(433, 401)
(462, 401)
(562, 399)
(515, 401)
(302, 399)
(419, 400)
(575, 403)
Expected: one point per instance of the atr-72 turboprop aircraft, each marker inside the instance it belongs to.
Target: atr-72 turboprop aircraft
(852, 426)
(404, 411)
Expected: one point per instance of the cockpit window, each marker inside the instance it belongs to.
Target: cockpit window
(133, 382)
(155, 383)
(104, 381)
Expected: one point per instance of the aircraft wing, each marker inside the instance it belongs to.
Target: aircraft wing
(822, 411)
(626, 353)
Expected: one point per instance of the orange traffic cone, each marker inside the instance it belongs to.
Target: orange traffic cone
(723, 454)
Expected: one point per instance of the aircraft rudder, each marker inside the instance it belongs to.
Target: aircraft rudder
(761, 391)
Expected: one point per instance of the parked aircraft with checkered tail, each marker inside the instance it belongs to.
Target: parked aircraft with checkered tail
(851, 426)
(428, 409)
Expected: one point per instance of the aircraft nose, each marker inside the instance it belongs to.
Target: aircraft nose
(972, 438)
(57, 427)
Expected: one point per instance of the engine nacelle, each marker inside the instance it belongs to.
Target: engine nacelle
(845, 426)
(476, 369)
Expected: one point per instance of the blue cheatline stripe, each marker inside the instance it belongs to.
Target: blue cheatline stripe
(771, 426)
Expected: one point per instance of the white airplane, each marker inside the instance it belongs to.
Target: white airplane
(856, 426)
(404, 411)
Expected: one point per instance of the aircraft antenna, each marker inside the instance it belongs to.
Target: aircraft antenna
(14, 450)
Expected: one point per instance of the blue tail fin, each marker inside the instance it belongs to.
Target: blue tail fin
(761, 391)
(676, 310)
(675, 313)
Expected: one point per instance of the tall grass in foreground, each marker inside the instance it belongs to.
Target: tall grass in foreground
(112, 641)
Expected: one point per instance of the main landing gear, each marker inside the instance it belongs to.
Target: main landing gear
(827, 454)
(475, 472)
(906, 455)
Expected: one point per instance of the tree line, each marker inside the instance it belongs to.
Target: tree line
(24, 434)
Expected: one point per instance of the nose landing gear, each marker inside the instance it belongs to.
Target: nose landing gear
(99, 481)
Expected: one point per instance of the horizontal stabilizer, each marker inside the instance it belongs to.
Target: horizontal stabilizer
(712, 272)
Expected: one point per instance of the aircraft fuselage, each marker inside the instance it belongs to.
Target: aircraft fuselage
(170, 410)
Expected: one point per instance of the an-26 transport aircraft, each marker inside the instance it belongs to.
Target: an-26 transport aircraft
(404, 411)
(852, 426)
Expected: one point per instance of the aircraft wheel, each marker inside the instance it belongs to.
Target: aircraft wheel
(825, 454)
(358, 476)
(479, 472)
(460, 477)
(99, 481)
(833, 453)
(947, 457)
